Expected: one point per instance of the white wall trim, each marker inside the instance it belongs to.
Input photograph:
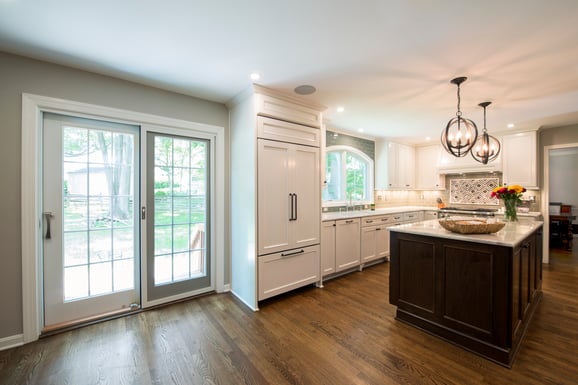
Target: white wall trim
(32, 108)
(545, 196)
(11, 342)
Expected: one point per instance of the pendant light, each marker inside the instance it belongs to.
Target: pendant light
(460, 133)
(487, 147)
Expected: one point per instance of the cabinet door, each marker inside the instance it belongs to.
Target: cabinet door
(519, 159)
(328, 248)
(282, 131)
(347, 245)
(288, 196)
(406, 166)
(274, 202)
(427, 173)
(382, 239)
(267, 105)
(305, 185)
(368, 243)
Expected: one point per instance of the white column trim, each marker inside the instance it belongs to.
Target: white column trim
(545, 197)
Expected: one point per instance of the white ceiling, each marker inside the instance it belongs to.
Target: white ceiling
(388, 63)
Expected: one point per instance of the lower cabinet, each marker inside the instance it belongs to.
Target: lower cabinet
(340, 245)
(347, 252)
(375, 238)
(281, 272)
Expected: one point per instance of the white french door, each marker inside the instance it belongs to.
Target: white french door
(91, 227)
(178, 211)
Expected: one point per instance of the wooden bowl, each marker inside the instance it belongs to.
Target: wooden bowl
(471, 226)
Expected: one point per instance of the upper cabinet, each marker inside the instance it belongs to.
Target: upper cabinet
(394, 165)
(427, 173)
(519, 157)
(450, 164)
(278, 108)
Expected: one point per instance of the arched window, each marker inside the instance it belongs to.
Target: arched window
(348, 176)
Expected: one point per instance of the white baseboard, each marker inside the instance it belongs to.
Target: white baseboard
(11, 342)
(225, 289)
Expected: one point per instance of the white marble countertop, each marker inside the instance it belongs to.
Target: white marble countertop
(511, 235)
(335, 215)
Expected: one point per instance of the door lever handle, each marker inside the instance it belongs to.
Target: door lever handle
(48, 215)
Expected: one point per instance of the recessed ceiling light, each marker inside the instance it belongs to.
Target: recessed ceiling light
(305, 89)
(360, 130)
(255, 76)
(428, 138)
(511, 125)
(340, 109)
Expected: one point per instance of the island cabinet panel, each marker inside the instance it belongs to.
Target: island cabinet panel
(479, 296)
(417, 266)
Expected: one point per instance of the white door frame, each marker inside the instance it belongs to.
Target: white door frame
(545, 197)
(32, 108)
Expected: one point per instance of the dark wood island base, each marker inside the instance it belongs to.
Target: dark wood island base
(479, 296)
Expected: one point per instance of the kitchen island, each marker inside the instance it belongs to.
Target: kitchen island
(477, 291)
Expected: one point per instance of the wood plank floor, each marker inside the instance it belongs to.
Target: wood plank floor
(342, 334)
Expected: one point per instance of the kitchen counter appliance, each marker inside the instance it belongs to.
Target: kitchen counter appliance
(453, 211)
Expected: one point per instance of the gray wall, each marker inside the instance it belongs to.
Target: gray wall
(22, 75)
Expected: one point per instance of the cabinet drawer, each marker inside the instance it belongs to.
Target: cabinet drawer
(377, 220)
(292, 112)
(287, 132)
(282, 272)
(414, 216)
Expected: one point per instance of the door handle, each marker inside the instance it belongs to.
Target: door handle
(295, 216)
(291, 202)
(48, 215)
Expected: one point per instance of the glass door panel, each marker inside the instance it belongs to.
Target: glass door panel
(91, 242)
(178, 225)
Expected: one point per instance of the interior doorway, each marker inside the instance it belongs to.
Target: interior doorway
(561, 186)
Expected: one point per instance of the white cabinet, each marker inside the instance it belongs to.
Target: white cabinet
(288, 193)
(347, 245)
(328, 247)
(287, 110)
(450, 164)
(430, 214)
(519, 155)
(374, 238)
(340, 245)
(427, 173)
(275, 193)
(282, 131)
(395, 166)
(287, 270)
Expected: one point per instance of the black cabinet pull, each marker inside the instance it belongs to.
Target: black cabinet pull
(295, 216)
(294, 253)
(291, 208)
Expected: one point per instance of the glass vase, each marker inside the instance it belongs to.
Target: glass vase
(510, 211)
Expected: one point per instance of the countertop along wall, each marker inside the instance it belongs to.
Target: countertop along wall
(22, 75)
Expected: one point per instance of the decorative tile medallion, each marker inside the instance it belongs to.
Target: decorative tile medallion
(473, 191)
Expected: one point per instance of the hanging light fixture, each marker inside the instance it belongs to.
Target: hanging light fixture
(487, 147)
(460, 133)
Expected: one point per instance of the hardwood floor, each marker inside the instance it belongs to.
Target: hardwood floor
(342, 334)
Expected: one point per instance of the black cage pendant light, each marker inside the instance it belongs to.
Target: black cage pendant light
(487, 147)
(460, 133)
